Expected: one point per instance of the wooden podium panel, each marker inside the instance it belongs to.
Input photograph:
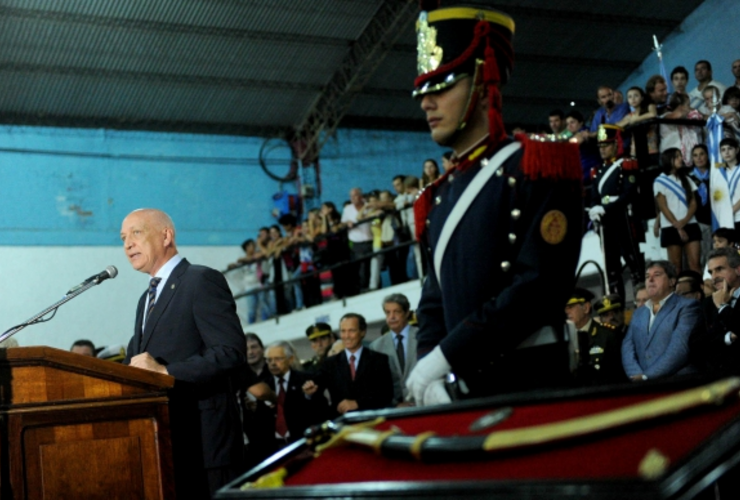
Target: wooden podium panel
(79, 427)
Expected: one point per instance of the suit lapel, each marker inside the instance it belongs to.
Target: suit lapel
(663, 313)
(170, 289)
(343, 373)
(410, 352)
(389, 348)
(137, 325)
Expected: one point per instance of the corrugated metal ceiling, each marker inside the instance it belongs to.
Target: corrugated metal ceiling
(256, 67)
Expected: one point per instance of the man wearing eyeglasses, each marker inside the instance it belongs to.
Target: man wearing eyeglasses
(293, 413)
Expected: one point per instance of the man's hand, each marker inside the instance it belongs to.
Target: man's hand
(429, 369)
(309, 388)
(262, 392)
(347, 405)
(723, 295)
(145, 361)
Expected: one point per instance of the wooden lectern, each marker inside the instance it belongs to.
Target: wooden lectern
(78, 427)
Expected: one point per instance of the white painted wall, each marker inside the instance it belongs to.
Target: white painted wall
(33, 278)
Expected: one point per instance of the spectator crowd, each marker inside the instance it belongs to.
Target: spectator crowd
(332, 255)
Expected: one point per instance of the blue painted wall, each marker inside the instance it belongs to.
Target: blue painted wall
(709, 33)
(73, 187)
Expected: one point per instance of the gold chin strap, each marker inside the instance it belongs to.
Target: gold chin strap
(476, 90)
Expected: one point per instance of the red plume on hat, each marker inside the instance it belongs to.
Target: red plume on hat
(465, 41)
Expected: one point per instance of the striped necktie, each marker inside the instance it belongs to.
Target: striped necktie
(152, 295)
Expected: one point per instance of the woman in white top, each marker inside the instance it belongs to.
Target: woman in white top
(724, 182)
(674, 194)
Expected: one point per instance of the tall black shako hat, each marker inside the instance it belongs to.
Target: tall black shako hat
(610, 133)
(456, 42)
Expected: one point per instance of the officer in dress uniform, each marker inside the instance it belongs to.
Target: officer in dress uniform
(613, 190)
(599, 344)
(321, 338)
(500, 228)
(610, 310)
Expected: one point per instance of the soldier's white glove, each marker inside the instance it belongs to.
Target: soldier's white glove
(429, 370)
(596, 212)
(436, 394)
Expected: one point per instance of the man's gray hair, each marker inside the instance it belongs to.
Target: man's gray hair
(288, 348)
(733, 258)
(398, 298)
(670, 269)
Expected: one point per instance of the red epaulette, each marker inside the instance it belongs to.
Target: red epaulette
(423, 204)
(629, 164)
(546, 158)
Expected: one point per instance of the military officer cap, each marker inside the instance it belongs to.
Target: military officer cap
(580, 296)
(317, 330)
(610, 302)
(453, 42)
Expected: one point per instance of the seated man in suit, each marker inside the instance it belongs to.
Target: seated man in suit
(657, 341)
(186, 326)
(716, 348)
(358, 378)
(399, 344)
(293, 412)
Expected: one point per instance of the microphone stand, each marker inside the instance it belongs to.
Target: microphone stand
(37, 317)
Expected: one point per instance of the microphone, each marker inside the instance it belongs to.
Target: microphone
(109, 272)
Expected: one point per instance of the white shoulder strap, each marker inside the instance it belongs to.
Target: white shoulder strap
(462, 205)
(617, 164)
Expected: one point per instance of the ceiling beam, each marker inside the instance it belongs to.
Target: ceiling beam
(175, 28)
(365, 55)
(170, 78)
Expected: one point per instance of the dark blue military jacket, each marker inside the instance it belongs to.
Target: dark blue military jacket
(509, 266)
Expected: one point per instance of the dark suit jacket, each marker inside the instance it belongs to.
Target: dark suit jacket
(372, 387)
(195, 332)
(663, 349)
(300, 411)
(386, 344)
(708, 347)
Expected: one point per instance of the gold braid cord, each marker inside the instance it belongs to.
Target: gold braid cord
(345, 432)
(709, 394)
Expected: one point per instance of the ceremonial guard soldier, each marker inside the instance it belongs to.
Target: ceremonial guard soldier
(613, 190)
(599, 344)
(501, 228)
